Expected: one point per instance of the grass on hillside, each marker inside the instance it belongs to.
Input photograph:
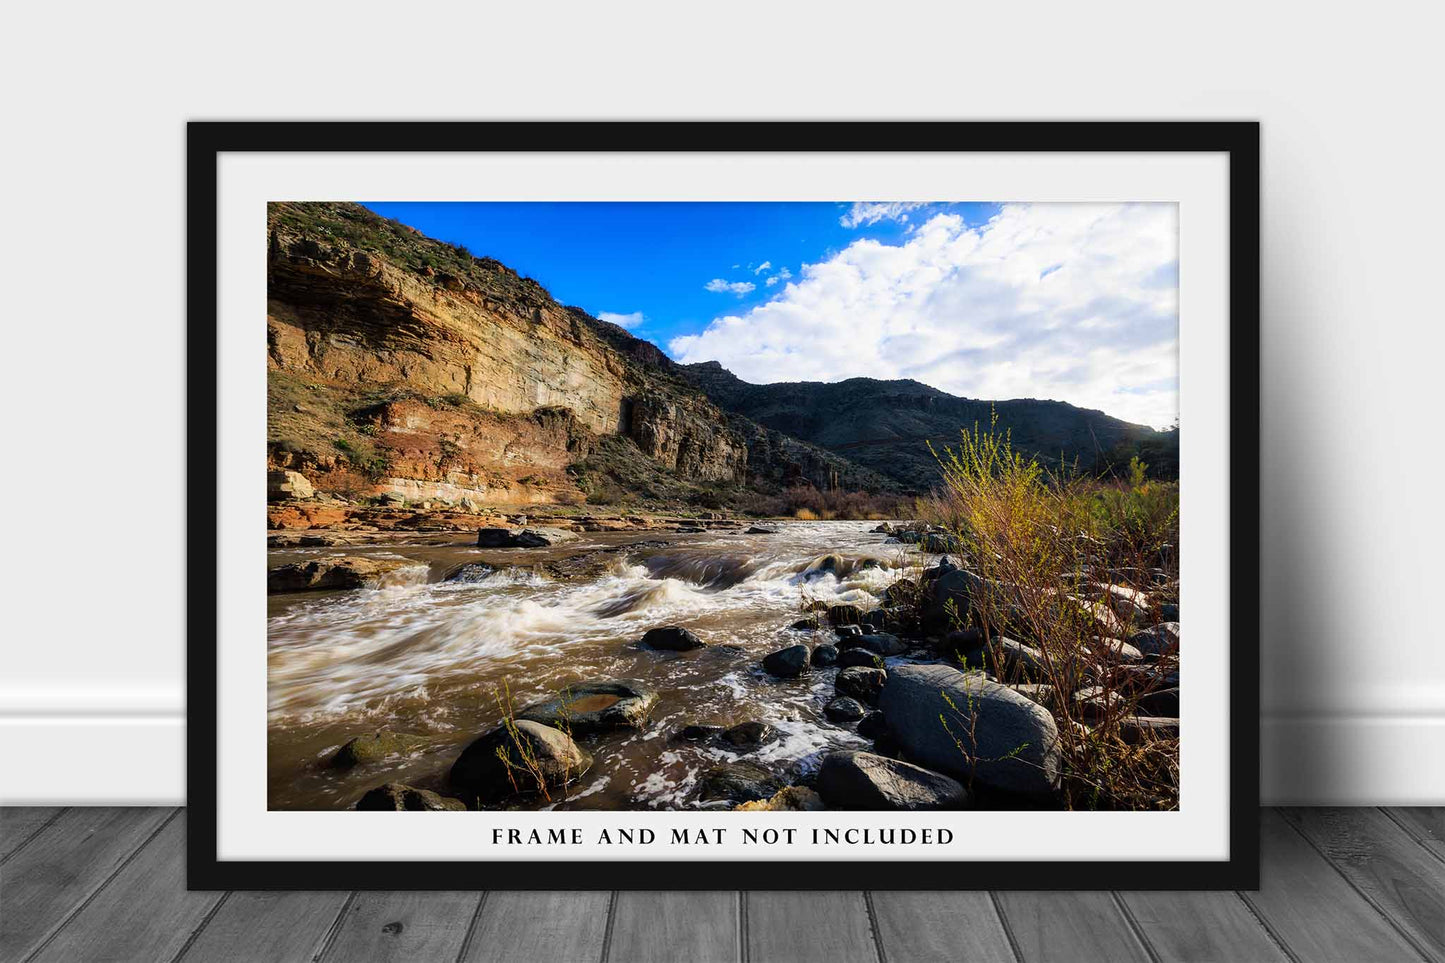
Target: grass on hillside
(1046, 543)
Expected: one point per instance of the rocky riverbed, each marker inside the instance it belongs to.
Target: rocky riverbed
(764, 666)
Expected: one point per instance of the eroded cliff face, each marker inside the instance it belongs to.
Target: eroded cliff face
(436, 374)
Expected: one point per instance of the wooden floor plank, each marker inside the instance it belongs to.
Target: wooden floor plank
(19, 823)
(922, 927)
(1079, 927)
(144, 913)
(1202, 928)
(62, 866)
(1312, 909)
(267, 928)
(1400, 877)
(381, 927)
(1427, 825)
(540, 928)
(799, 927)
(663, 927)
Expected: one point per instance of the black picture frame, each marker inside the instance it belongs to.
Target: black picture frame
(206, 140)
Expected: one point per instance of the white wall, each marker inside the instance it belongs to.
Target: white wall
(1352, 662)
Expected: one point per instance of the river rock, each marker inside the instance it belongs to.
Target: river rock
(747, 736)
(873, 725)
(848, 631)
(787, 663)
(863, 684)
(1115, 650)
(373, 746)
(696, 733)
(1169, 611)
(506, 538)
(395, 797)
(471, 572)
(1163, 702)
(1130, 605)
(1014, 743)
(758, 530)
(844, 709)
(1136, 729)
(1007, 660)
(849, 658)
(879, 643)
(1158, 639)
(947, 599)
(862, 780)
(600, 706)
(876, 620)
(825, 655)
(557, 759)
(672, 638)
(901, 592)
(339, 572)
(809, 624)
(844, 615)
(737, 782)
(1095, 702)
(794, 799)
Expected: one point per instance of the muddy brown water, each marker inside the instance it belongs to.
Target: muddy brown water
(440, 659)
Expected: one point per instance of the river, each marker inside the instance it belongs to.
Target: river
(430, 657)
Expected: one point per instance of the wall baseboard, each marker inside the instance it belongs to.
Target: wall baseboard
(141, 760)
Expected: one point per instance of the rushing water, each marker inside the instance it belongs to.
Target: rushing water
(431, 657)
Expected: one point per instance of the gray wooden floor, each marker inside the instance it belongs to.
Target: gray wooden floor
(1354, 885)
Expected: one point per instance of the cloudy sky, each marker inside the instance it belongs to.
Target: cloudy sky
(1076, 302)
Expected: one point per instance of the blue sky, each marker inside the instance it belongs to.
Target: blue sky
(1075, 302)
(654, 259)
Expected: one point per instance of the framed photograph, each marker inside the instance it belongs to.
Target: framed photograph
(723, 505)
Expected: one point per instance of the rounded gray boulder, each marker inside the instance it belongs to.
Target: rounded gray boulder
(968, 727)
(862, 780)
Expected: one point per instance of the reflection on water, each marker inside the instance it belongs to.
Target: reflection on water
(434, 658)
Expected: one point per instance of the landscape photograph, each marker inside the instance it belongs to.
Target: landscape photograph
(759, 506)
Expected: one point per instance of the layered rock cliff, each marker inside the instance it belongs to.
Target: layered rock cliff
(403, 364)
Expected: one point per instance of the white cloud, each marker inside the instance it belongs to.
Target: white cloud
(864, 213)
(628, 321)
(782, 275)
(765, 266)
(729, 287)
(1075, 302)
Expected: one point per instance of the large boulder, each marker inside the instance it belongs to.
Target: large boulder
(373, 746)
(863, 684)
(395, 797)
(337, 572)
(948, 599)
(506, 538)
(851, 657)
(671, 638)
(588, 707)
(525, 757)
(787, 663)
(994, 736)
(844, 709)
(737, 782)
(825, 655)
(1160, 639)
(862, 780)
